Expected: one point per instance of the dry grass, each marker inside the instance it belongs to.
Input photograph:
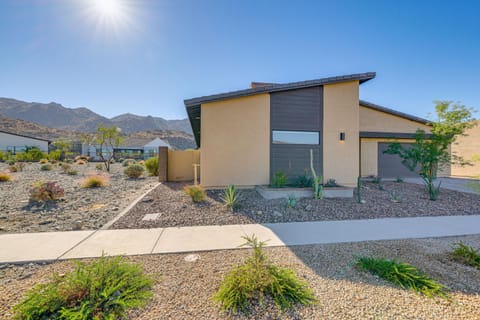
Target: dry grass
(95, 181)
(4, 177)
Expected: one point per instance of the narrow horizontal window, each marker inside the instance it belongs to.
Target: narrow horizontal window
(295, 137)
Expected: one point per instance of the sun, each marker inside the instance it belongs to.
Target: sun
(108, 8)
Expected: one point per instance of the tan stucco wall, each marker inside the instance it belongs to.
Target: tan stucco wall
(11, 140)
(180, 164)
(235, 142)
(377, 121)
(467, 147)
(340, 114)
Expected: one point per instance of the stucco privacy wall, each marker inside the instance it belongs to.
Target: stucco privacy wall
(180, 164)
(377, 121)
(341, 114)
(468, 147)
(235, 144)
(11, 140)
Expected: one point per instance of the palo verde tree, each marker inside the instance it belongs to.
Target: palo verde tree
(107, 138)
(431, 152)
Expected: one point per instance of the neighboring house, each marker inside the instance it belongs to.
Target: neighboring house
(13, 142)
(246, 136)
(142, 151)
(468, 147)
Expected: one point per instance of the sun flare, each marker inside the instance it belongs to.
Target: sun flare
(108, 8)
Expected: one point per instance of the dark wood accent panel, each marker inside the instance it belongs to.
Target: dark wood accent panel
(297, 110)
(390, 165)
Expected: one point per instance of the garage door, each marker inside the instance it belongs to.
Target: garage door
(390, 165)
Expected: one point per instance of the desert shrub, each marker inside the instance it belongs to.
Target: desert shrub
(4, 177)
(197, 193)
(103, 289)
(466, 255)
(128, 162)
(377, 180)
(33, 154)
(46, 191)
(331, 183)
(80, 162)
(43, 161)
(141, 162)
(72, 172)
(279, 179)
(66, 167)
(258, 277)
(95, 181)
(82, 157)
(152, 166)
(403, 275)
(303, 181)
(121, 160)
(134, 171)
(46, 167)
(10, 162)
(13, 168)
(99, 166)
(2, 156)
(54, 155)
(69, 161)
(20, 166)
(231, 197)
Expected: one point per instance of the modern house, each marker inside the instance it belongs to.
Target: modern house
(138, 150)
(246, 136)
(13, 142)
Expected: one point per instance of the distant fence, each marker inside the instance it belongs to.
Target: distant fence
(179, 165)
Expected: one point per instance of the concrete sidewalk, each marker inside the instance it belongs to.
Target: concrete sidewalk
(29, 247)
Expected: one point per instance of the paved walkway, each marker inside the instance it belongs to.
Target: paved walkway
(27, 247)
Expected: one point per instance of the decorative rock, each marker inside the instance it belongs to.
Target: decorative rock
(192, 257)
(150, 217)
(309, 207)
(277, 214)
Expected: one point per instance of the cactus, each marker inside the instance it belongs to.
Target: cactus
(317, 187)
(359, 190)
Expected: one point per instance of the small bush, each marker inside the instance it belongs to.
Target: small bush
(279, 179)
(231, 197)
(404, 275)
(80, 162)
(20, 166)
(10, 162)
(4, 177)
(66, 167)
(13, 168)
(197, 193)
(258, 277)
(134, 171)
(399, 179)
(94, 181)
(72, 172)
(69, 161)
(331, 183)
(99, 166)
(121, 160)
(82, 157)
(377, 180)
(43, 161)
(46, 167)
(152, 166)
(103, 289)
(303, 181)
(141, 162)
(291, 201)
(46, 191)
(466, 255)
(128, 162)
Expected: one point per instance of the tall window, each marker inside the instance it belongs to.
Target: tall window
(295, 137)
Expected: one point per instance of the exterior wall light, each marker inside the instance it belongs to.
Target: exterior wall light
(342, 136)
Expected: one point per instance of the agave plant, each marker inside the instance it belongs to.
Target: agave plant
(231, 197)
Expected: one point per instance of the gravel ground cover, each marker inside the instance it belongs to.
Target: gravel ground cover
(80, 209)
(390, 199)
(185, 288)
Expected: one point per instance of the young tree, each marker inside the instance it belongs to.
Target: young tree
(431, 152)
(107, 139)
(64, 147)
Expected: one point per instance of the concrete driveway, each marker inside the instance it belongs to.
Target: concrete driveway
(451, 183)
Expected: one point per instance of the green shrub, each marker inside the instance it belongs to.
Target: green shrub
(46, 191)
(466, 255)
(10, 162)
(2, 156)
(231, 197)
(54, 155)
(72, 172)
(94, 181)
(377, 180)
(33, 154)
(197, 193)
(134, 171)
(303, 181)
(152, 166)
(121, 160)
(399, 179)
(99, 166)
(128, 162)
(402, 274)
(258, 277)
(46, 167)
(4, 177)
(69, 161)
(279, 179)
(103, 289)
(331, 183)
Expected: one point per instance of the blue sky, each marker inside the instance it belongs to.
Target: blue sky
(159, 52)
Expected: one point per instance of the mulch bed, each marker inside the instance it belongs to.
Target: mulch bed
(176, 208)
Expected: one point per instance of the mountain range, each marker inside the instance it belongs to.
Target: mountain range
(55, 115)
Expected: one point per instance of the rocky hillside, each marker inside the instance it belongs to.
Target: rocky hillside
(56, 116)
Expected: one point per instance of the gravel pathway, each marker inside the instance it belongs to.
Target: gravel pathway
(80, 209)
(185, 288)
(410, 200)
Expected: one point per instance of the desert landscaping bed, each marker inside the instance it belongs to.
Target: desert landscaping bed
(184, 289)
(388, 199)
(79, 209)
